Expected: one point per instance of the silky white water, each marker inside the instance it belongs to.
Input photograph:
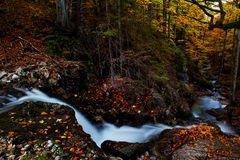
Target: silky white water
(203, 104)
(200, 107)
(107, 131)
(99, 135)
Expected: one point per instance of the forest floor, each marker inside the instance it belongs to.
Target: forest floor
(40, 133)
(24, 27)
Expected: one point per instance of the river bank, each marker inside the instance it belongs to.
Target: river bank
(57, 126)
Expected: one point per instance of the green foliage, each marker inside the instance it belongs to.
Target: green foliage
(109, 33)
(159, 73)
(41, 156)
(62, 43)
(181, 60)
(203, 82)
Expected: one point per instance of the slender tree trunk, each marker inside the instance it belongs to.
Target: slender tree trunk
(99, 57)
(169, 23)
(110, 45)
(204, 36)
(120, 36)
(62, 12)
(235, 73)
(80, 17)
(175, 27)
(70, 9)
(223, 52)
(150, 14)
(164, 17)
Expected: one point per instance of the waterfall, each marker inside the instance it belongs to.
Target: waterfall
(98, 135)
(203, 104)
(107, 131)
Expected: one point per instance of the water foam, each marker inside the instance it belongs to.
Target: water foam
(106, 132)
(109, 131)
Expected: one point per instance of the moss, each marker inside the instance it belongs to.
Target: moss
(61, 42)
(203, 82)
(43, 155)
(181, 60)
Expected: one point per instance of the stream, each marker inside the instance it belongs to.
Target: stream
(109, 131)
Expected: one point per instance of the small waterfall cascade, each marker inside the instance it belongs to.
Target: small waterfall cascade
(110, 131)
(203, 104)
(99, 135)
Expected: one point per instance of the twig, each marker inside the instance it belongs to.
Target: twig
(29, 43)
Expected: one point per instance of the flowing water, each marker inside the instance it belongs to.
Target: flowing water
(203, 104)
(109, 131)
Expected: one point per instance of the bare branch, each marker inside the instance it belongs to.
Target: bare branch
(29, 43)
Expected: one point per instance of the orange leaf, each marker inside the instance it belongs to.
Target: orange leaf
(44, 114)
(72, 150)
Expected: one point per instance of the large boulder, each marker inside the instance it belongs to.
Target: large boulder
(44, 131)
(127, 99)
(234, 114)
(197, 142)
(42, 71)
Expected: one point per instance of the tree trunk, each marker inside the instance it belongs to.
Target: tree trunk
(169, 23)
(120, 36)
(80, 17)
(150, 13)
(235, 73)
(110, 46)
(223, 52)
(164, 17)
(62, 7)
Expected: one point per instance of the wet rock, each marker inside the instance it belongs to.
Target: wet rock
(234, 114)
(129, 99)
(47, 74)
(3, 74)
(15, 77)
(221, 114)
(201, 142)
(198, 150)
(123, 149)
(20, 71)
(50, 131)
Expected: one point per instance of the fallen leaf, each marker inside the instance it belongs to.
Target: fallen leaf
(59, 120)
(44, 114)
(80, 152)
(75, 158)
(42, 121)
(67, 116)
(57, 141)
(72, 149)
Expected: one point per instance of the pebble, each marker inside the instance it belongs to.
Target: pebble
(57, 158)
(45, 72)
(115, 158)
(3, 74)
(20, 72)
(26, 147)
(43, 63)
(49, 144)
(15, 77)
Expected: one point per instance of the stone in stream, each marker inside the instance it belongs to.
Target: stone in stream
(234, 114)
(201, 142)
(124, 149)
(32, 133)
